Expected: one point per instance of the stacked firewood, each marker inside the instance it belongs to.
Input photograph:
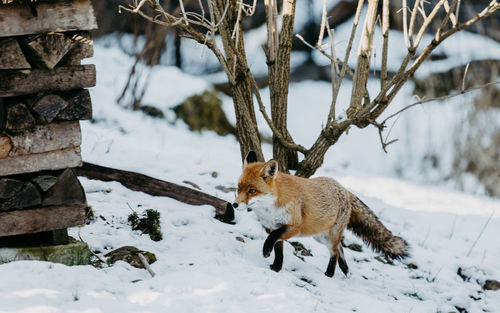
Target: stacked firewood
(42, 99)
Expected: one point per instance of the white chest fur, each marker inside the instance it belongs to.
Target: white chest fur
(268, 214)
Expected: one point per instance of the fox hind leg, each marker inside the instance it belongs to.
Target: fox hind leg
(342, 262)
(330, 270)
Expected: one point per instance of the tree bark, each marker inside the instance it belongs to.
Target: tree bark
(155, 187)
(279, 80)
(246, 123)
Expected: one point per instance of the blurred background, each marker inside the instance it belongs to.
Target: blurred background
(453, 142)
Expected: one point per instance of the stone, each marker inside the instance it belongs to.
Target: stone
(74, 253)
(130, 255)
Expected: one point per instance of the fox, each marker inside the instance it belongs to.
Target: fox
(289, 206)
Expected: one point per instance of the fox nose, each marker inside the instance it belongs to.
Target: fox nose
(235, 205)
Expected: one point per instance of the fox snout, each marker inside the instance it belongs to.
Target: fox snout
(239, 205)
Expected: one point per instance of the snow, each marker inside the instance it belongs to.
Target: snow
(201, 265)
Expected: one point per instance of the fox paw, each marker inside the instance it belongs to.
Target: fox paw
(275, 267)
(267, 249)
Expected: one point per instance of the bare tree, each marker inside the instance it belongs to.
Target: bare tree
(223, 18)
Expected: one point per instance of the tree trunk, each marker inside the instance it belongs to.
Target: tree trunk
(314, 159)
(279, 80)
(246, 123)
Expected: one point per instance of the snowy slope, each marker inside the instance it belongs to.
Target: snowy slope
(201, 265)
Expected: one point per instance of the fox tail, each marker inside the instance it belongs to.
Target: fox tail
(366, 225)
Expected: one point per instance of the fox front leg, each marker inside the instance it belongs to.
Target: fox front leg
(278, 256)
(274, 236)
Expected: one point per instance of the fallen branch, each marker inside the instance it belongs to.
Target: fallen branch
(159, 188)
(146, 264)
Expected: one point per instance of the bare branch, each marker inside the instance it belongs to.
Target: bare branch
(331, 114)
(181, 5)
(382, 124)
(465, 75)
(364, 54)
(333, 65)
(324, 21)
(449, 15)
(385, 43)
(427, 21)
(270, 123)
(412, 21)
(439, 99)
(405, 24)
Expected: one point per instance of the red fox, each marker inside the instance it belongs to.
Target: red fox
(290, 206)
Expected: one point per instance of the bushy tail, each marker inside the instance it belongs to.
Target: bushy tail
(366, 225)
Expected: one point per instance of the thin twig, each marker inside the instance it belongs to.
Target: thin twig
(344, 65)
(385, 43)
(465, 74)
(323, 25)
(382, 124)
(481, 232)
(412, 21)
(427, 21)
(181, 4)
(93, 253)
(440, 98)
(405, 24)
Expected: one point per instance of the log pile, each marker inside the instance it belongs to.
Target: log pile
(42, 100)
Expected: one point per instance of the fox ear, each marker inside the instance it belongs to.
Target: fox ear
(269, 170)
(250, 158)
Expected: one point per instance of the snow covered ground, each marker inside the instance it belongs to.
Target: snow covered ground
(208, 266)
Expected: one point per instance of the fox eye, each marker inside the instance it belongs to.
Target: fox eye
(252, 191)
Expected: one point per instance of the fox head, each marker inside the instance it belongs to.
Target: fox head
(257, 179)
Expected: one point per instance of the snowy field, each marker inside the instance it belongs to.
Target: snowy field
(208, 266)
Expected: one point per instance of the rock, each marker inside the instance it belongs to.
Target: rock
(74, 253)
(204, 111)
(355, 247)
(130, 255)
(491, 285)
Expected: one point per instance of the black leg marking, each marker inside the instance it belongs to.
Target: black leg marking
(278, 256)
(330, 270)
(342, 262)
(271, 240)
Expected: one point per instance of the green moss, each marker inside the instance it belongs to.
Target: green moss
(148, 223)
(414, 295)
(204, 111)
(89, 215)
(355, 247)
(74, 253)
(300, 250)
